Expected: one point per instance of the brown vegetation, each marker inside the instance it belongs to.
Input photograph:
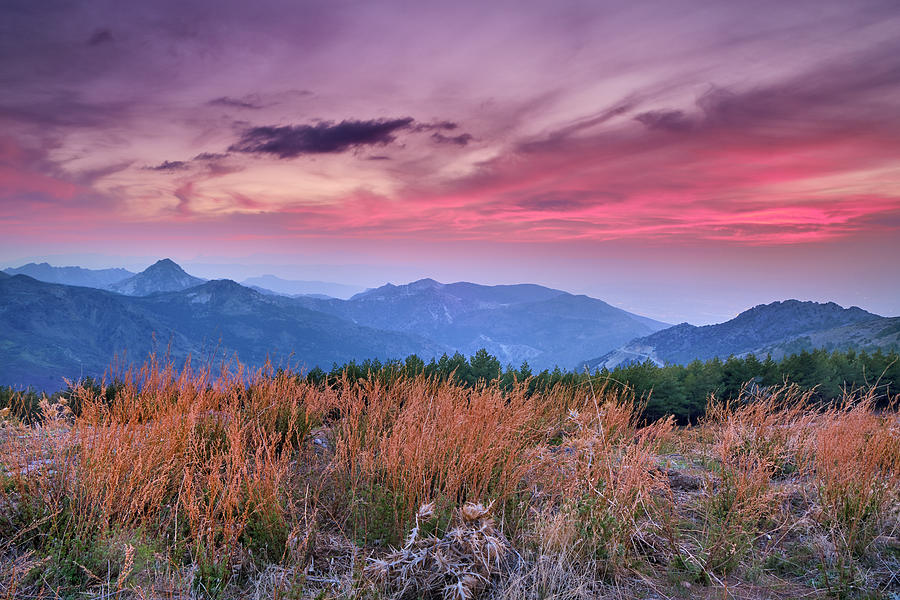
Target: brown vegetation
(196, 484)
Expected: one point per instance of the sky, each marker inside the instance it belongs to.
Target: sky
(682, 160)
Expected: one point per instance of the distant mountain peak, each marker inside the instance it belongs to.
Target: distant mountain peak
(162, 276)
(424, 284)
(804, 310)
(272, 284)
(164, 263)
(228, 285)
(514, 322)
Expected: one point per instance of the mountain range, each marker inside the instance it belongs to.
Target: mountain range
(95, 278)
(53, 330)
(50, 331)
(778, 328)
(516, 323)
(166, 275)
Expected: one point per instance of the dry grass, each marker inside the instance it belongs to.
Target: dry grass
(423, 440)
(233, 484)
(749, 446)
(606, 478)
(854, 456)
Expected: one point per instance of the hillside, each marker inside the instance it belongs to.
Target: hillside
(95, 278)
(516, 323)
(765, 326)
(50, 331)
(223, 312)
(162, 276)
(877, 334)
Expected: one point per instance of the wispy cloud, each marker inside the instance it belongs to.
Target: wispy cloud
(169, 165)
(458, 140)
(250, 101)
(724, 125)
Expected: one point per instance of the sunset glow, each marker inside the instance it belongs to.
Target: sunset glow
(599, 147)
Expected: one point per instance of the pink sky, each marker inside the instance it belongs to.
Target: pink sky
(684, 161)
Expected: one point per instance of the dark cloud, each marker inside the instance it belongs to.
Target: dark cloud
(667, 120)
(210, 156)
(215, 169)
(251, 101)
(323, 138)
(169, 165)
(378, 157)
(101, 36)
(435, 126)
(459, 140)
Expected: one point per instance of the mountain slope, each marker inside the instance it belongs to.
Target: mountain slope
(752, 330)
(50, 331)
(95, 278)
(162, 276)
(222, 312)
(876, 334)
(544, 326)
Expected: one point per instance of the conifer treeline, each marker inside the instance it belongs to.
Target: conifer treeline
(678, 390)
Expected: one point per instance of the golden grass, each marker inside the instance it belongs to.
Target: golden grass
(237, 484)
(421, 440)
(854, 457)
(606, 478)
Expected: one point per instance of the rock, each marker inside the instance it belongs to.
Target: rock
(679, 480)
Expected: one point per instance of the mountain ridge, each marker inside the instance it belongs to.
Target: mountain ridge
(522, 322)
(47, 328)
(757, 327)
(71, 275)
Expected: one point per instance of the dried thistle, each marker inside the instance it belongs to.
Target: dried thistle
(457, 566)
(472, 511)
(426, 511)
